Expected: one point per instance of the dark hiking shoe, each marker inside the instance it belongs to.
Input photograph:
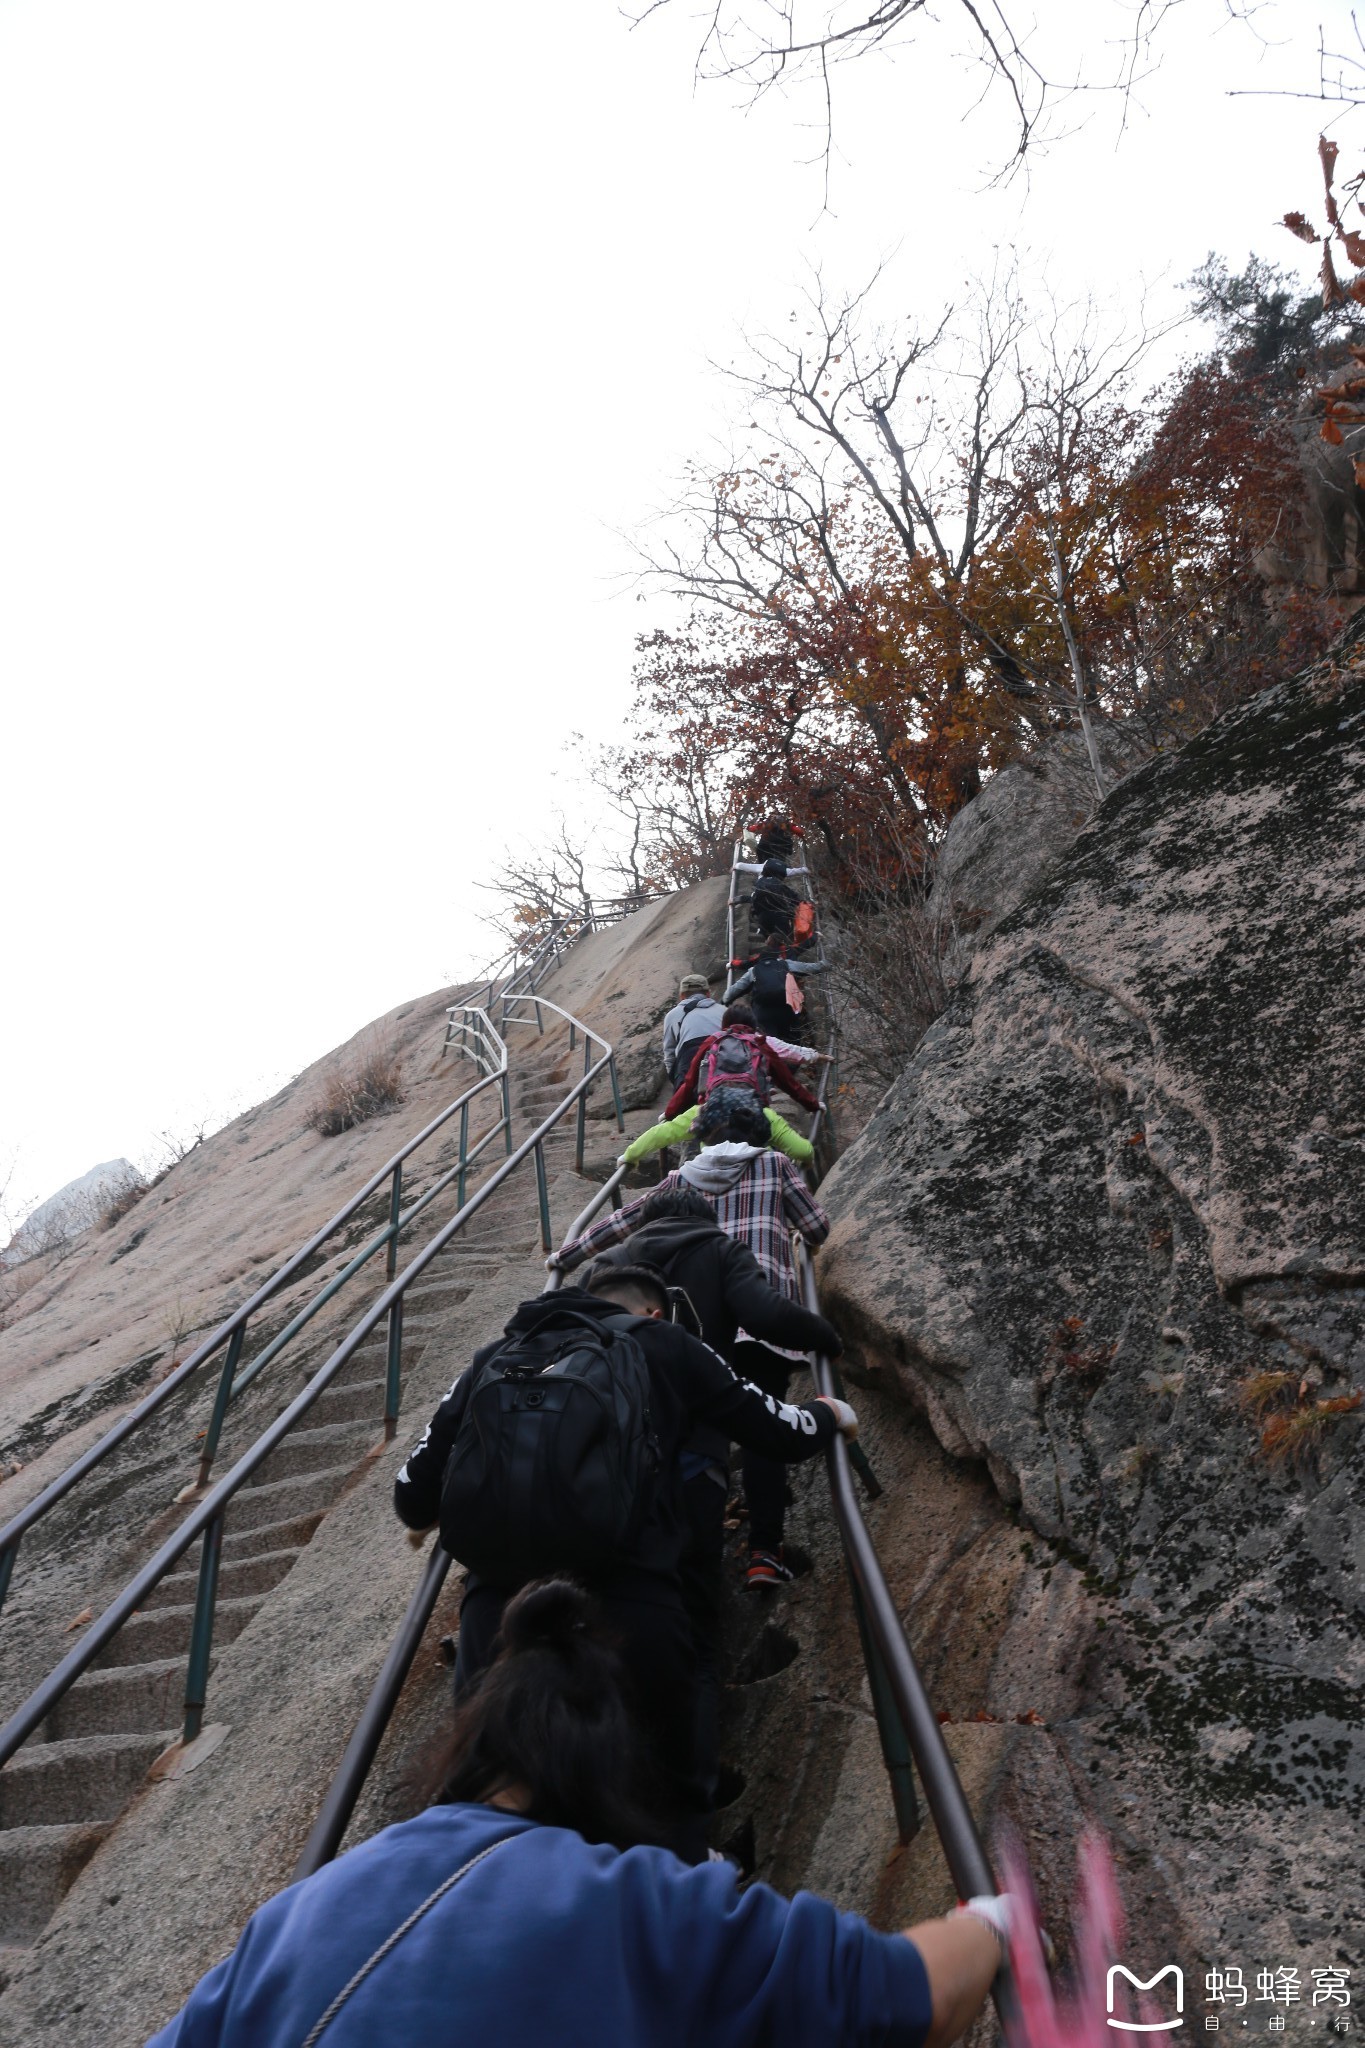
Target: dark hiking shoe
(766, 1568)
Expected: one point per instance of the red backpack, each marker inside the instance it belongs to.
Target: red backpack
(735, 1059)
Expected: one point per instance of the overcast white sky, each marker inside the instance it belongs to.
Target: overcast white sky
(341, 341)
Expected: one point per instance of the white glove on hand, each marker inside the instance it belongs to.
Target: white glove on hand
(998, 1910)
(845, 1415)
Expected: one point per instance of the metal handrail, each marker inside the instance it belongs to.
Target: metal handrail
(206, 1518)
(730, 910)
(232, 1330)
(334, 1815)
(565, 931)
(895, 1678)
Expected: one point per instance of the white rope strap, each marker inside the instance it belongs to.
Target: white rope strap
(363, 1972)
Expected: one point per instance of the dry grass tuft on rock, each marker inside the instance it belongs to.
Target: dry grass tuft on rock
(370, 1085)
(1290, 1438)
(120, 1200)
(1264, 1392)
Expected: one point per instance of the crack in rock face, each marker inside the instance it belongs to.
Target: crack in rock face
(1121, 1176)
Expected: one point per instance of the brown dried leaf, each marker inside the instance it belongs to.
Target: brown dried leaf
(1332, 294)
(1356, 288)
(1332, 432)
(1354, 245)
(1327, 157)
(1359, 467)
(79, 1620)
(1300, 225)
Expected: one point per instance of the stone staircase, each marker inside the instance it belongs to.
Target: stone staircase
(64, 1791)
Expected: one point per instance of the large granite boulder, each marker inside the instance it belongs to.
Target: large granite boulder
(1108, 1234)
(1010, 839)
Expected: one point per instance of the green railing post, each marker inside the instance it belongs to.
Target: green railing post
(616, 1094)
(201, 1639)
(583, 1108)
(220, 1403)
(464, 1155)
(543, 1191)
(392, 1381)
(395, 1213)
(7, 1558)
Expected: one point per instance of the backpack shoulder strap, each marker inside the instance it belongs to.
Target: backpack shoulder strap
(385, 1948)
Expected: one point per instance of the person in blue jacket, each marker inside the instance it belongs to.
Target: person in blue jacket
(530, 1907)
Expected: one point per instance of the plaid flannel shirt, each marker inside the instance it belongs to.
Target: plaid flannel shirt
(762, 1209)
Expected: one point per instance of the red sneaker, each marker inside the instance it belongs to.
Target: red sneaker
(767, 1569)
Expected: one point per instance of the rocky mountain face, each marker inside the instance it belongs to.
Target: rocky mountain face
(71, 1210)
(1106, 1236)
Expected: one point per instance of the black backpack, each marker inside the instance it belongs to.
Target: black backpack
(770, 978)
(555, 1460)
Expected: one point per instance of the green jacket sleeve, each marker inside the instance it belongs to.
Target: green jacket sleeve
(786, 1139)
(675, 1132)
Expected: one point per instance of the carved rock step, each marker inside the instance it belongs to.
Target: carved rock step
(165, 1632)
(307, 1450)
(127, 1699)
(38, 1866)
(446, 1292)
(414, 1328)
(307, 1493)
(266, 1537)
(87, 1779)
(351, 1401)
(237, 1578)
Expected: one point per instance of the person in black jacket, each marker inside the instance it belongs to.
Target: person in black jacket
(775, 840)
(642, 1600)
(723, 1284)
(765, 980)
(772, 905)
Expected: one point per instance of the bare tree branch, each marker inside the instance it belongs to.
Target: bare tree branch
(763, 45)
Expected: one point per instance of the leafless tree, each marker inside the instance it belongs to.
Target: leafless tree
(540, 884)
(918, 447)
(763, 45)
(674, 813)
(891, 942)
(1341, 73)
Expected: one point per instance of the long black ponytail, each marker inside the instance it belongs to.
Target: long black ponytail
(549, 1718)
